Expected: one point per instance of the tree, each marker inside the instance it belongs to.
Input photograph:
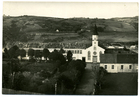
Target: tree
(45, 53)
(38, 54)
(22, 53)
(61, 51)
(6, 53)
(69, 56)
(13, 63)
(31, 53)
(55, 55)
(77, 64)
(13, 52)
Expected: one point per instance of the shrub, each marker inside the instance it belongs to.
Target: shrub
(46, 88)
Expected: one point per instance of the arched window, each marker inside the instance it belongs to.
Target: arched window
(89, 55)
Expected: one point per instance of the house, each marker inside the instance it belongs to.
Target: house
(115, 63)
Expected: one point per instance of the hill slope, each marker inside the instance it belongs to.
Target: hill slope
(44, 29)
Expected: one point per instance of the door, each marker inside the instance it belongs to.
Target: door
(83, 59)
(94, 59)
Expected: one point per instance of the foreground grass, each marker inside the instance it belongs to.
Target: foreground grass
(11, 91)
(120, 84)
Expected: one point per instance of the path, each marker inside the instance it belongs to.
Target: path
(86, 85)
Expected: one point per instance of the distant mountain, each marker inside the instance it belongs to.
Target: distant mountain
(37, 24)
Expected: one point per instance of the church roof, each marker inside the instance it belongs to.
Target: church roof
(95, 32)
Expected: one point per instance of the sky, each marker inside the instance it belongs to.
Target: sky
(71, 9)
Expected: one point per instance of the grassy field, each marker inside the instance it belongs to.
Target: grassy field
(111, 30)
(120, 84)
(118, 36)
(86, 37)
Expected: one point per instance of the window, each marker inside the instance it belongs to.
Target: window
(89, 55)
(105, 66)
(77, 51)
(73, 51)
(130, 66)
(94, 48)
(80, 51)
(121, 66)
(112, 66)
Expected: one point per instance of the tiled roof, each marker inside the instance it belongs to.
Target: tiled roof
(108, 58)
(117, 51)
(119, 58)
(127, 58)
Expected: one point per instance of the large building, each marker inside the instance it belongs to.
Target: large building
(115, 63)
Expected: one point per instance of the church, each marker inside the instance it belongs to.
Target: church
(90, 54)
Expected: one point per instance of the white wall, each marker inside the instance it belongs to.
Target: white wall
(76, 55)
(117, 67)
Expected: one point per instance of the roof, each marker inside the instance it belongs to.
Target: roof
(118, 51)
(127, 58)
(108, 58)
(119, 58)
(95, 32)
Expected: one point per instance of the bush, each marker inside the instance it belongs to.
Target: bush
(18, 83)
(77, 64)
(62, 68)
(33, 87)
(46, 88)
(55, 55)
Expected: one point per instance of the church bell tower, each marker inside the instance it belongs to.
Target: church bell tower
(95, 44)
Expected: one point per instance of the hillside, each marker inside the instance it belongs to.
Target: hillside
(48, 29)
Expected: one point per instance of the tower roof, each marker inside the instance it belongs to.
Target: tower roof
(95, 32)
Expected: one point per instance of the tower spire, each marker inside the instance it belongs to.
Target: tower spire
(95, 32)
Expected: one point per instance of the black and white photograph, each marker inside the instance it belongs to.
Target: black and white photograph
(70, 48)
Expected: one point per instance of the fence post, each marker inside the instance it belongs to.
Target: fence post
(55, 88)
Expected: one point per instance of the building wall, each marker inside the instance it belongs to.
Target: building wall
(117, 67)
(77, 53)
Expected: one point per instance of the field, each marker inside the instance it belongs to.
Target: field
(86, 37)
(120, 84)
(70, 30)
(118, 36)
